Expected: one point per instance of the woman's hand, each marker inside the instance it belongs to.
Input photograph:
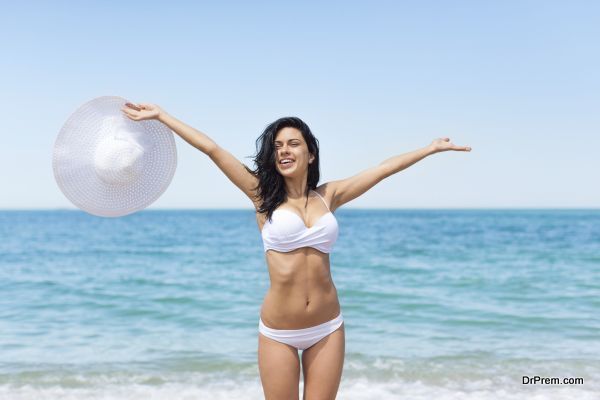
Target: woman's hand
(444, 144)
(142, 111)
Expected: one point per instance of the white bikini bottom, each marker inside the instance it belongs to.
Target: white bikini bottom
(301, 339)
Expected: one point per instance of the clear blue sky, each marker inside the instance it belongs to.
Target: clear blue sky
(518, 81)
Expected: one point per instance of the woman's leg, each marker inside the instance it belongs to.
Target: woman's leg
(279, 367)
(322, 365)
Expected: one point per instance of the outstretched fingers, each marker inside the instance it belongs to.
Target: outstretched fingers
(130, 113)
(137, 108)
(455, 147)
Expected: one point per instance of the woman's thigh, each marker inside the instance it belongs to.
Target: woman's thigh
(322, 366)
(279, 367)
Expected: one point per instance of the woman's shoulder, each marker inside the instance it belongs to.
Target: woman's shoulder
(326, 191)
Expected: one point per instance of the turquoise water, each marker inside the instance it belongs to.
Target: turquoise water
(447, 304)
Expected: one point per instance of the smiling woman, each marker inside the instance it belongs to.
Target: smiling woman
(286, 138)
(301, 310)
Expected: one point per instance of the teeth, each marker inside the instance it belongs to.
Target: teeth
(286, 161)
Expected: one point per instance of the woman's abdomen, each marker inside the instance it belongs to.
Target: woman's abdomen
(298, 307)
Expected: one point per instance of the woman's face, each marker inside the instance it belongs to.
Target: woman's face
(289, 144)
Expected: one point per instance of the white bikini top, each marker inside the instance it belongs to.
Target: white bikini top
(287, 231)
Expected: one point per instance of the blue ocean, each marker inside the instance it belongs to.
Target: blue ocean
(163, 304)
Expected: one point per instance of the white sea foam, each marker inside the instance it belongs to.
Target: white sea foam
(188, 386)
(355, 390)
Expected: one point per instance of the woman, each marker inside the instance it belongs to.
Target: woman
(301, 310)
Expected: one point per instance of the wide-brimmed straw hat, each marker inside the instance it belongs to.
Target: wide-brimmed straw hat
(109, 165)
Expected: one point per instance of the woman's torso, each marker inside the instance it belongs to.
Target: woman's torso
(302, 293)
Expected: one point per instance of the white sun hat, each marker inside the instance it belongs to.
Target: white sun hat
(109, 165)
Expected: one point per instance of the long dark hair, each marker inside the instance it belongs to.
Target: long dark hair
(271, 185)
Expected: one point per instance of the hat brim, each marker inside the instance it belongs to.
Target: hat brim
(73, 159)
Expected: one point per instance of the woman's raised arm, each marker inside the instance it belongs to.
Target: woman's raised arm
(194, 137)
(231, 166)
(348, 189)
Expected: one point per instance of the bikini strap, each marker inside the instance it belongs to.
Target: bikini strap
(322, 199)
